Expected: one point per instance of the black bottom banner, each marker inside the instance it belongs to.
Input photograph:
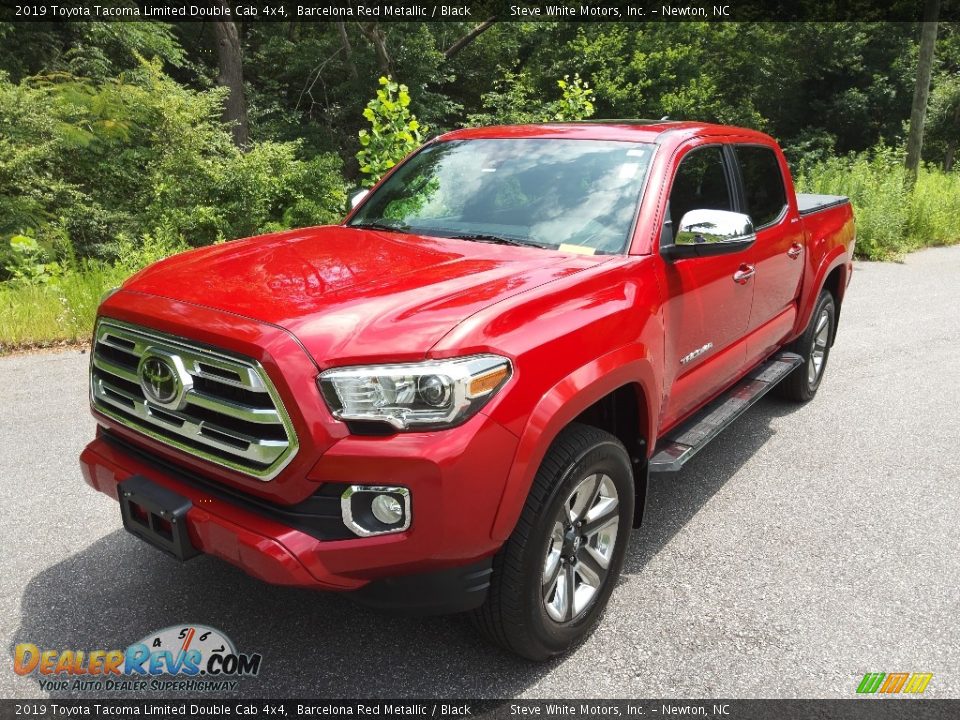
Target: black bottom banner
(865, 709)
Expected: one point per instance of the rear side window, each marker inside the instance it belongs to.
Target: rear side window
(762, 184)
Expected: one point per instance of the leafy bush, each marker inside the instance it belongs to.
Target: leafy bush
(29, 263)
(85, 163)
(892, 219)
(148, 249)
(514, 100)
(98, 179)
(394, 131)
(576, 100)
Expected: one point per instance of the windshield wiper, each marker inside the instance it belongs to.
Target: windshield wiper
(381, 226)
(496, 239)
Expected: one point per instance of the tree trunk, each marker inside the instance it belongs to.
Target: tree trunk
(347, 50)
(921, 92)
(468, 38)
(378, 38)
(230, 62)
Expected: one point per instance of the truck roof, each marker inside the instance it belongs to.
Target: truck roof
(625, 130)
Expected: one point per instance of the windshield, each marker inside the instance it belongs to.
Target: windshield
(577, 195)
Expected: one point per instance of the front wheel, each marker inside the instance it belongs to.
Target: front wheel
(554, 575)
(814, 347)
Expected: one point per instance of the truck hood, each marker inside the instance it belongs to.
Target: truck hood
(350, 294)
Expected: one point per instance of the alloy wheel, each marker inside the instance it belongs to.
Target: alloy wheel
(580, 548)
(818, 353)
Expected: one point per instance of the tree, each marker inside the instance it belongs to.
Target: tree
(469, 38)
(230, 62)
(918, 115)
(378, 38)
(347, 50)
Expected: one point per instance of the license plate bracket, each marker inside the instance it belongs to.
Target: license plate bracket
(156, 515)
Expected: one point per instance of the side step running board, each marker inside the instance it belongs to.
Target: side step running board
(691, 437)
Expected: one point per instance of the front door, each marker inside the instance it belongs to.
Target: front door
(706, 310)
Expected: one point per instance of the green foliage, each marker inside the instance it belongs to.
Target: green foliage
(688, 71)
(113, 153)
(942, 130)
(58, 311)
(515, 100)
(511, 101)
(891, 219)
(813, 145)
(29, 263)
(576, 100)
(394, 131)
(93, 162)
(92, 49)
(148, 248)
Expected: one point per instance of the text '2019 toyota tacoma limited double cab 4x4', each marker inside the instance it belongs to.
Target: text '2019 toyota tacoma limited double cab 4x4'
(453, 400)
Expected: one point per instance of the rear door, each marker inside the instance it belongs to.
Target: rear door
(705, 311)
(778, 251)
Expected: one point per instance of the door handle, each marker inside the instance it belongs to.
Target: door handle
(744, 273)
(795, 250)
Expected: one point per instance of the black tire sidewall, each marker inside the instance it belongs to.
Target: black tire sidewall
(608, 457)
(826, 300)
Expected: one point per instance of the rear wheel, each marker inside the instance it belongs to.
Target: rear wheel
(554, 575)
(814, 347)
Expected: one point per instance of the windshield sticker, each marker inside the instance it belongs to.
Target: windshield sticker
(578, 249)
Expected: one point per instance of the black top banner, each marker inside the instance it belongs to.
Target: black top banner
(477, 11)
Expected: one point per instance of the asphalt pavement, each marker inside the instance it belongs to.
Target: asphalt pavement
(806, 546)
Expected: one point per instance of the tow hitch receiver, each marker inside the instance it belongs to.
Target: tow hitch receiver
(156, 515)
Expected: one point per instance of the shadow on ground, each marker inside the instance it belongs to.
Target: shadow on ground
(672, 500)
(321, 645)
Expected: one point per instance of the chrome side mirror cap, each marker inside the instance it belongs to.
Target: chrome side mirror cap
(714, 226)
(711, 232)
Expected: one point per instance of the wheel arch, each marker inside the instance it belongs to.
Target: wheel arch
(835, 282)
(616, 391)
(831, 273)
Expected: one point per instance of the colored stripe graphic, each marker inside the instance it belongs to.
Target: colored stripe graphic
(870, 682)
(918, 682)
(893, 683)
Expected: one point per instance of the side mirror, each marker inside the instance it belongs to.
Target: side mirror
(710, 232)
(357, 196)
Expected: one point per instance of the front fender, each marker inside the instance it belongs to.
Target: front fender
(628, 365)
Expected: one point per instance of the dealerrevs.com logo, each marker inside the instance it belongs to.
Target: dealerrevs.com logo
(192, 658)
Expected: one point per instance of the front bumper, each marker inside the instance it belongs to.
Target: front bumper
(440, 564)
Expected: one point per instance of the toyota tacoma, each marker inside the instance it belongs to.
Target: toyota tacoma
(453, 400)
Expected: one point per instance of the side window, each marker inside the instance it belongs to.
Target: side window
(700, 184)
(762, 183)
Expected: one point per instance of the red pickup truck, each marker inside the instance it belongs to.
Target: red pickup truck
(453, 400)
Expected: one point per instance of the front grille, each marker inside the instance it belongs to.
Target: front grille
(222, 408)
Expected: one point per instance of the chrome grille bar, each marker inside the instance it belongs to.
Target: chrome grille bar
(228, 412)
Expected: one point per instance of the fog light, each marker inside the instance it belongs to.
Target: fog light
(387, 509)
(375, 509)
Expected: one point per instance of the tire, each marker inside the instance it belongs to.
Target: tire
(526, 613)
(814, 347)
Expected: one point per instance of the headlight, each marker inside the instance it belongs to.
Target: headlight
(430, 394)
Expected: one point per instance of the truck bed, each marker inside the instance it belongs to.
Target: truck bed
(810, 203)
